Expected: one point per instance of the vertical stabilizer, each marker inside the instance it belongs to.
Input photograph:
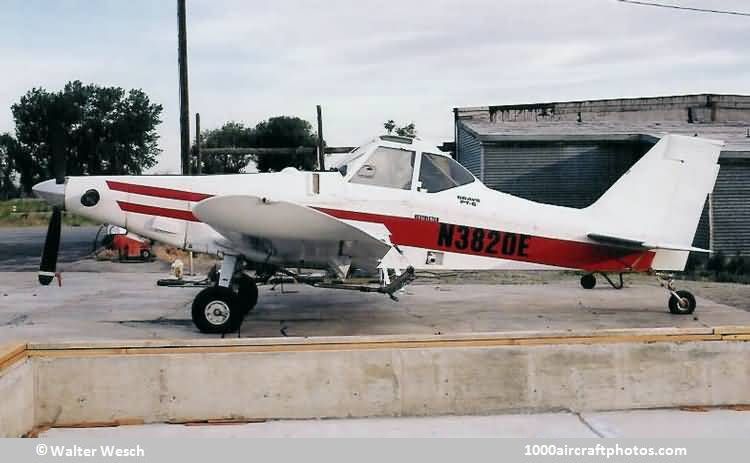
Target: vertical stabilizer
(660, 199)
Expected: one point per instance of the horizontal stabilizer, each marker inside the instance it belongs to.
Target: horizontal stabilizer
(639, 244)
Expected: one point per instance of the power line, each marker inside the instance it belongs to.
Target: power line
(678, 7)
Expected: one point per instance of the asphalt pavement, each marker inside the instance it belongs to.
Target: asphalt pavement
(21, 247)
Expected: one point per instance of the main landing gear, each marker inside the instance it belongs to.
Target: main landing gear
(681, 302)
(221, 308)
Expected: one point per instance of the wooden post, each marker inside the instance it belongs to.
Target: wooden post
(184, 97)
(199, 166)
(321, 148)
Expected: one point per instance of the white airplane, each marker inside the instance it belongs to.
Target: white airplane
(393, 206)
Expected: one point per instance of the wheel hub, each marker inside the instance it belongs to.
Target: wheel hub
(217, 312)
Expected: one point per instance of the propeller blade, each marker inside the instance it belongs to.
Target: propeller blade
(48, 265)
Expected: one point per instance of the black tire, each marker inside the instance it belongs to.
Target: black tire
(247, 291)
(588, 281)
(228, 310)
(145, 254)
(675, 306)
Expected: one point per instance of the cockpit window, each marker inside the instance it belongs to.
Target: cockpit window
(439, 173)
(387, 167)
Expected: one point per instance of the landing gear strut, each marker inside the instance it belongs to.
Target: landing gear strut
(588, 281)
(221, 308)
(681, 302)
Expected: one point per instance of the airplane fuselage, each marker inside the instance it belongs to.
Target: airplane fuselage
(465, 227)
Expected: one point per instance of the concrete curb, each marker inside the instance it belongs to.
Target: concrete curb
(90, 383)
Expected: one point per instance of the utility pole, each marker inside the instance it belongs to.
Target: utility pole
(321, 148)
(199, 165)
(184, 98)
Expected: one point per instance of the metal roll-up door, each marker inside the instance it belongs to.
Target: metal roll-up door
(572, 174)
(731, 208)
(469, 151)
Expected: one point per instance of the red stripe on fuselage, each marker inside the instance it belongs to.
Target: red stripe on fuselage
(155, 191)
(407, 231)
(157, 211)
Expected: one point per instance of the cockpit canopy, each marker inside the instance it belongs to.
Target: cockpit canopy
(403, 163)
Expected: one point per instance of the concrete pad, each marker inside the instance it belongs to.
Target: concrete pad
(547, 425)
(671, 423)
(103, 306)
(623, 424)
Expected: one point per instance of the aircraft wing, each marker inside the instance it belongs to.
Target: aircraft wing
(286, 228)
(639, 244)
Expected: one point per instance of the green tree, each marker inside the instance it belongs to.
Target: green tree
(276, 132)
(8, 153)
(230, 135)
(284, 132)
(389, 126)
(409, 130)
(105, 130)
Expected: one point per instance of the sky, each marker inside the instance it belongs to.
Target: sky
(369, 61)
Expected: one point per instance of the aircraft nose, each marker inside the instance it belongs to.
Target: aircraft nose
(50, 191)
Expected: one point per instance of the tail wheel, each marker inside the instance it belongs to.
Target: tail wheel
(217, 310)
(682, 305)
(247, 291)
(588, 281)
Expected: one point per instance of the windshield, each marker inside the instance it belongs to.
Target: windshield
(440, 173)
(387, 167)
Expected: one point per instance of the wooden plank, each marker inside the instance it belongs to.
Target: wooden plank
(360, 340)
(305, 150)
(621, 339)
(99, 424)
(736, 337)
(732, 329)
(423, 344)
(11, 354)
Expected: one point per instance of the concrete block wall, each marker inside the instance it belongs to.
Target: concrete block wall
(379, 376)
(392, 382)
(17, 399)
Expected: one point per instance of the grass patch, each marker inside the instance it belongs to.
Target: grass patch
(30, 212)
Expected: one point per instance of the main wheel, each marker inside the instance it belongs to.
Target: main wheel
(588, 281)
(684, 305)
(217, 310)
(247, 291)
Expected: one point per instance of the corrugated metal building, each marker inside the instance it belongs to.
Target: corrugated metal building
(569, 153)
